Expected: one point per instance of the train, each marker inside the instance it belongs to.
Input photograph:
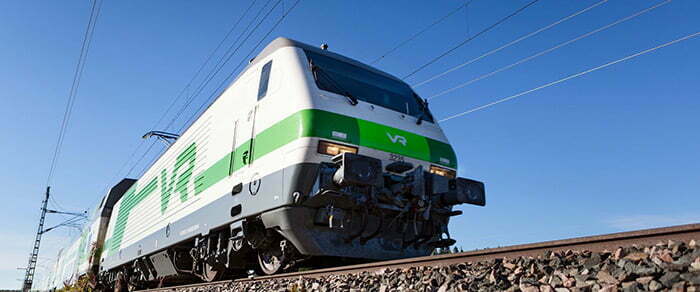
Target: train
(307, 158)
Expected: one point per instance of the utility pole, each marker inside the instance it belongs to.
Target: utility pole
(34, 256)
(31, 266)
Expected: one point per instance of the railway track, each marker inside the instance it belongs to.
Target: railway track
(596, 243)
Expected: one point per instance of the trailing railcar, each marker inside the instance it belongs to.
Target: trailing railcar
(306, 154)
(65, 269)
(82, 256)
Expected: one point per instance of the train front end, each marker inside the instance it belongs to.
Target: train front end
(379, 179)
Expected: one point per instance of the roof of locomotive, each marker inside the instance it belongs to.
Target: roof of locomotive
(282, 42)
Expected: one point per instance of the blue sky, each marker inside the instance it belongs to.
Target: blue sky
(613, 150)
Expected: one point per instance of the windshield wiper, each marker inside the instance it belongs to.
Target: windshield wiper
(315, 69)
(424, 109)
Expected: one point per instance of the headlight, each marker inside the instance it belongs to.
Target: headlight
(442, 171)
(333, 149)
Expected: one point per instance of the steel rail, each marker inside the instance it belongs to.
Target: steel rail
(595, 243)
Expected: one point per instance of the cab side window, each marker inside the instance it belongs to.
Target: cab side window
(264, 80)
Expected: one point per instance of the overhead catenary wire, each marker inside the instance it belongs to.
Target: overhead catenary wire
(420, 32)
(73, 92)
(55, 204)
(226, 58)
(212, 73)
(230, 52)
(549, 50)
(184, 89)
(77, 76)
(687, 37)
(190, 97)
(511, 43)
(245, 59)
(145, 153)
(63, 129)
(213, 52)
(467, 40)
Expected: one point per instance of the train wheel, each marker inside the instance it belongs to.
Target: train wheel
(211, 274)
(120, 283)
(270, 261)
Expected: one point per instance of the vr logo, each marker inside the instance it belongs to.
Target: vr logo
(397, 139)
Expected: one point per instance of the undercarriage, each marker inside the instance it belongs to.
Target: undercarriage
(355, 211)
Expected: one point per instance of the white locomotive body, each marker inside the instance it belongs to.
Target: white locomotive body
(307, 154)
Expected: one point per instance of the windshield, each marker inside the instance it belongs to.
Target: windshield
(357, 83)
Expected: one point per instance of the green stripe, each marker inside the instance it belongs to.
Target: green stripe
(379, 137)
(305, 123)
(439, 152)
(322, 124)
(237, 162)
(213, 174)
(131, 199)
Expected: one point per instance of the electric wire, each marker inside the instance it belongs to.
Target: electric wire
(230, 52)
(188, 99)
(549, 50)
(225, 59)
(687, 37)
(184, 89)
(467, 40)
(223, 62)
(77, 75)
(141, 158)
(522, 38)
(73, 92)
(220, 90)
(87, 40)
(55, 204)
(417, 34)
(213, 52)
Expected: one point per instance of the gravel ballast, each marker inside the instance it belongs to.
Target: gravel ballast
(669, 266)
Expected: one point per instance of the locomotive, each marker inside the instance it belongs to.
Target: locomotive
(306, 155)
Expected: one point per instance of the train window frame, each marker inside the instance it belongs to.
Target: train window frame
(264, 84)
(337, 76)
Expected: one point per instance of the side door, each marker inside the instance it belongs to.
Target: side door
(254, 171)
(244, 132)
(242, 157)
